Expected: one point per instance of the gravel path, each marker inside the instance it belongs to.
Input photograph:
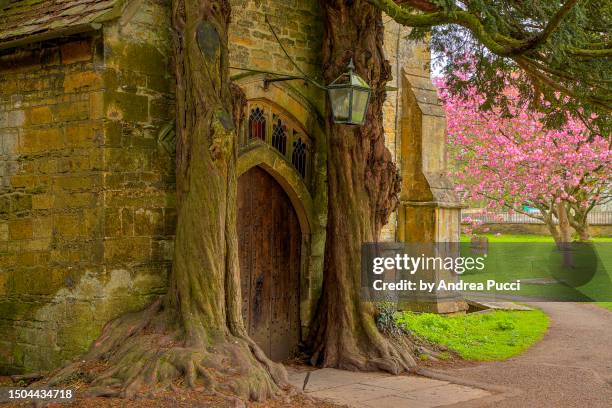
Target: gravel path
(570, 367)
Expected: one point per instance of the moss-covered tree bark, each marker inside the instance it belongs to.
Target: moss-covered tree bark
(363, 187)
(195, 334)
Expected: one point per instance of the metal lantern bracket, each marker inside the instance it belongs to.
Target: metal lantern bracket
(349, 94)
(304, 76)
(282, 77)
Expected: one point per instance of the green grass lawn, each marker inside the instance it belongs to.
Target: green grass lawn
(513, 257)
(525, 238)
(606, 305)
(496, 335)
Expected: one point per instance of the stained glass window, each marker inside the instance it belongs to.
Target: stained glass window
(279, 135)
(267, 123)
(257, 124)
(298, 158)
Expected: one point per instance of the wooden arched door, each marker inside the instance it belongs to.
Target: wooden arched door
(269, 244)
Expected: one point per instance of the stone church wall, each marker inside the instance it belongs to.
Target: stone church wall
(87, 212)
(86, 202)
(404, 56)
(51, 127)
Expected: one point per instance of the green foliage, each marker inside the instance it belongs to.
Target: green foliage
(386, 320)
(555, 52)
(495, 335)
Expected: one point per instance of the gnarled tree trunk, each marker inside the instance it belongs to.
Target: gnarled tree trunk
(578, 219)
(565, 234)
(196, 331)
(363, 188)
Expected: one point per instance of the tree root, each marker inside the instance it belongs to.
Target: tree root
(364, 349)
(137, 352)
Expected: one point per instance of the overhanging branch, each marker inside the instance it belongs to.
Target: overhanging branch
(497, 43)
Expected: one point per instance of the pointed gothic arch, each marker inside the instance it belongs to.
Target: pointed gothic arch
(283, 134)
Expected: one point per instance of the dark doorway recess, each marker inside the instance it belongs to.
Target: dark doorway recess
(269, 241)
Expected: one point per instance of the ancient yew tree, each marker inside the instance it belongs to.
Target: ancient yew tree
(196, 331)
(363, 185)
(555, 53)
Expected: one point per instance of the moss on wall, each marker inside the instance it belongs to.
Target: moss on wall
(86, 194)
(87, 206)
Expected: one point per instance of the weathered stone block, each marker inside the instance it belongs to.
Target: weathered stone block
(9, 140)
(4, 231)
(148, 221)
(21, 203)
(70, 182)
(47, 165)
(112, 223)
(5, 205)
(7, 260)
(24, 181)
(69, 111)
(162, 109)
(39, 115)
(96, 160)
(127, 222)
(170, 218)
(76, 51)
(114, 181)
(159, 83)
(42, 244)
(76, 200)
(127, 106)
(162, 250)
(96, 105)
(68, 226)
(79, 81)
(80, 135)
(42, 201)
(131, 249)
(16, 118)
(112, 134)
(42, 227)
(20, 229)
(41, 140)
(131, 81)
(144, 58)
(126, 160)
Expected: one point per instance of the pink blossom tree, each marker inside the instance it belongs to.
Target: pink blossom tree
(510, 158)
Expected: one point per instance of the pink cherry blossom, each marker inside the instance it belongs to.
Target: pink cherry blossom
(508, 162)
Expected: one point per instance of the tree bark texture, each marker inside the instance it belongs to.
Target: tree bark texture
(578, 219)
(196, 332)
(363, 185)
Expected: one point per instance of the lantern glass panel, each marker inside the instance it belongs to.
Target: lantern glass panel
(360, 105)
(340, 102)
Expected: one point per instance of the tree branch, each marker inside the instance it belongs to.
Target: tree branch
(552, 25)
(423, 5)
(497, 43)
(591, 53)
(536, 75)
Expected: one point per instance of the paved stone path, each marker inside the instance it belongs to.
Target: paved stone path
(378, 390)
(570, 367)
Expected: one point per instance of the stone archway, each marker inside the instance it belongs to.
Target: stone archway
(276, 163)
(302, 175)
(265, 157)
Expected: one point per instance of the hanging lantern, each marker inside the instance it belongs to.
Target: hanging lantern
(349, 96)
